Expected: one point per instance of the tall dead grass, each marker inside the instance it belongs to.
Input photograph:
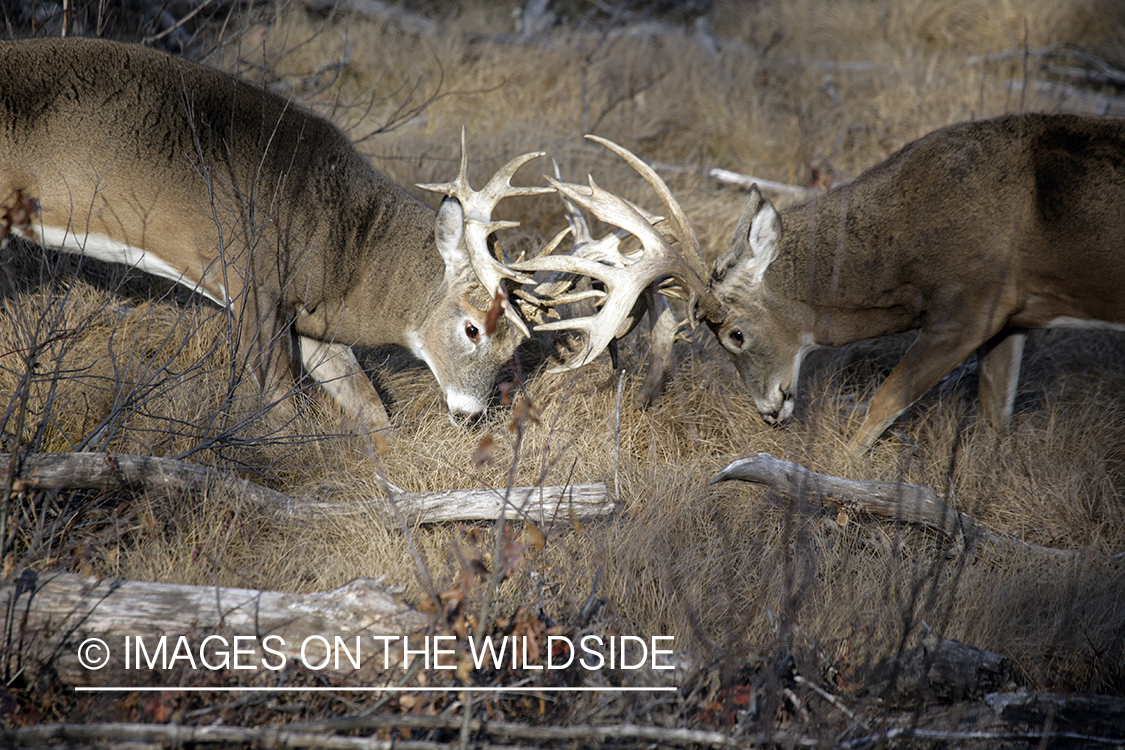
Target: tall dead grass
(731, 572)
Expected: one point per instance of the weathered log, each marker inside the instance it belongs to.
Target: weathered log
(377, 11)
(743, 181)
(1092, 715)
(910, 503)
(549, 504)
(50, 619)
(103, 471)
(940, 670)
(109, 471)
(531, 735)
(746, 181)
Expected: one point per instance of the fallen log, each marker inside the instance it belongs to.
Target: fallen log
(89, 632)
(377, 11)
(1096, 716)
(153, 474)
(742, 181)
(547, 504)
(506, 735)
(940, 670)
(902, 501)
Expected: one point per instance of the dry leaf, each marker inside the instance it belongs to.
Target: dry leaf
(538, 541)
(484, 452)
(465, 669)
(494, 312)
(574, 522)
(524, 411)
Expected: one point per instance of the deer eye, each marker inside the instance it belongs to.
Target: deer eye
(472, 332)
(736, 338)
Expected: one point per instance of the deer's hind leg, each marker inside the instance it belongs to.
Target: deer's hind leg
(998, 363)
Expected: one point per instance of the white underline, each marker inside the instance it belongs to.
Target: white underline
(290, 689)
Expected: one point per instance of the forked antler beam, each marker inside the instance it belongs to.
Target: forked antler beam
(478, 206)
(625, 277)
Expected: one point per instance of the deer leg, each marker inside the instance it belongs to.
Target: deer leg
(663, 335)
(930, 358)
(998, 365)
(265, 346)
(335, 368)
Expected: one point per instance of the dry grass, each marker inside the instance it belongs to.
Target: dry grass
(729, 570)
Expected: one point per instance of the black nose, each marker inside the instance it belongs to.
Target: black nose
(464, 419)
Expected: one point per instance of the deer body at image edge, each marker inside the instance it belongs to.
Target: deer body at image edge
(133, 156)
(972, 235)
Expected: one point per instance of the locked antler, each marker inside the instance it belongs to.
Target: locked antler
(478, 207)
(625, 276)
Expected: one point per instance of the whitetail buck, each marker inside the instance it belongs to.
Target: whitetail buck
(184, 172)
(971, 235)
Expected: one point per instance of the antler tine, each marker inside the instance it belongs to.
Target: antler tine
(607, 249)
(684, 231)
(557, 291)
(624, 282)
(460, 185)
(500, 183)
(478, 207)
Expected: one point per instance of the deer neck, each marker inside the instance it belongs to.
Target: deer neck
(381, 274)
(831, 268)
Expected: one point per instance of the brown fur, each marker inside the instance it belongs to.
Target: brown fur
(972, 235)
(248, 198)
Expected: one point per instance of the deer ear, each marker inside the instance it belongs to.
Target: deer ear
(449, 234)
(765, 230)
(757, 239)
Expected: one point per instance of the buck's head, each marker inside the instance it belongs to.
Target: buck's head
(465, 336)
(471, 329)
(759, 330)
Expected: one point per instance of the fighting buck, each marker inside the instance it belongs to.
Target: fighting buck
(971, 235)
(187, 173)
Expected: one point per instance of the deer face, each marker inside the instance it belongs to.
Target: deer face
(762, 336)
(767, 352)
(464, 336)
(455, 342)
